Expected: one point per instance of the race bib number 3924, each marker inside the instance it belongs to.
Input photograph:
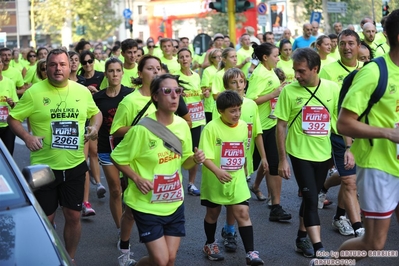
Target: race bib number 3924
(65, 135)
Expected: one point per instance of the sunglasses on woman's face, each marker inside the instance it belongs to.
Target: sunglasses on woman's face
(90, 61)
(150, 46)
(32, 55)
(43, 69)
(167, 91)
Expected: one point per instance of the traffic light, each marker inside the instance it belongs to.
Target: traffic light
(243, 5)
(79, 30)
(218, 5)
(385, 9)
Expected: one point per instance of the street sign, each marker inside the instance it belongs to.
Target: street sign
(201, 43)
(316, 16)
(262, 9)
(127, 13)
(336, 7)
(262, 20)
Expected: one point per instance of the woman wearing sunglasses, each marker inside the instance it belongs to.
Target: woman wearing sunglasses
(159, 213)
(41, 72)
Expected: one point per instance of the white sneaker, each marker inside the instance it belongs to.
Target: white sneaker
(322, 198)
(332, 171)
(343, 225)
(101, 191)
(124, 259)
(359, 232)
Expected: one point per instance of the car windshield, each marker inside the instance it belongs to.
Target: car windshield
(11, 193)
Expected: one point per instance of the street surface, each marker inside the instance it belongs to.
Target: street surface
(274, 240)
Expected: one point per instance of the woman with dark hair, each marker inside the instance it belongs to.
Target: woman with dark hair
(159, 213)
(74, 61)
(41, 70)
(82, 46)
(139, 54)
(285, 63)
(264, 88)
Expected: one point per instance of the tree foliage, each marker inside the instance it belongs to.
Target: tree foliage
(98, 17)
(219, 22)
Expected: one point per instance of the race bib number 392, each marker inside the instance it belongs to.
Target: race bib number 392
(315, 120)
(233, 156)
(167, 188)
(65, 135)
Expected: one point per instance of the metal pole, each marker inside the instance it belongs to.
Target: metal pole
(232, 20)
(372, 4)
(32, 24)
(16, 17)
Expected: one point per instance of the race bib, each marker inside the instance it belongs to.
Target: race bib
(65, 135)
(111, 142)
(272, 106)
(249, 125)
(315, 120)
(196, 111)
(233, 156)
(3, 114)
(397, 145)
(167, 188)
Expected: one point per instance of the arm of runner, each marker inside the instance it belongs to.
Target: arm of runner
(206, 63)
(349, 160)
(261, 150)
(92, 129)
(142, 184)
(268, 97)
(281, 135)
(121, 131)
(33, 143)
(197, 158)
(222, 175)
(348, 125)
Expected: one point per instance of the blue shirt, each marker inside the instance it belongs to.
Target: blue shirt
(301, 42)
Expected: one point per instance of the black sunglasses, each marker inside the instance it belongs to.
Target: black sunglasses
(150, 46)
(90, 61)
(32, 55)
(43, 69)
(177, 47)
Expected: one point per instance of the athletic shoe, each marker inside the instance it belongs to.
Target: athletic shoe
(305, 247)
(87, 210)
(332, 171)
(212, 251)
(322, 198)
(319, 256)
(193, 190)
(327, 202)
(279, 214)
(229, 241)
(248, 178)
(100, 191)
(259, 195)
(124, 259)
(359, 232)
(343, 225)
(253, 259)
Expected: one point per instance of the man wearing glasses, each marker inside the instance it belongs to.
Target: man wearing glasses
(306, 39)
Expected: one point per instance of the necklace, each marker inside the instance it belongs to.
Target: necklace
(61, 100)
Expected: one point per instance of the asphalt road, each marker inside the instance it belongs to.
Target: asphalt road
(274, 240)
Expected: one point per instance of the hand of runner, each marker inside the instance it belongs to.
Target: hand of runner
(34, 143)
(349, 160)
(265, 165)
(199, 156)
(284, 169)
(206, 93)
(223, 176)
(10, 102)
(92, 89)
(91, 134)
(394, 135)
(143, 185)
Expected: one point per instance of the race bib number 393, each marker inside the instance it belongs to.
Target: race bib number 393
(233, 156)
(315, 120)
(167, 188)
(65, 135)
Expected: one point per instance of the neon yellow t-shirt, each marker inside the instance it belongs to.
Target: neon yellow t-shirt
(242, 54)
(383, 154)
(206, 81)
(58, 115)
(326, 61)
(250, 115)
(217, 83)
(7, 90)
(225, 147)
(381, 49)
(262, 82)
(30, 76)
(335, 72)
(128, 109)
(173, 65)
(286, 66)
(99, 65)
(20, 66)
(335, 55)
(14, 75)
(193, 98)
(311, 146)
(126, 78)
(149, 159)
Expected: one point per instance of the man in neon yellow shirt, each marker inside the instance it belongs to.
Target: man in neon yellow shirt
(244, 54)
(369, 34)
(304, 111)
(376, 146)
(167, 56)
(10, 72)
(58, 110)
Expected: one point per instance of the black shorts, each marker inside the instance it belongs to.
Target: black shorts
(195, 135)
(270, 144)
(339, 148)
(67, 190)
(152, 227)
(210, 204)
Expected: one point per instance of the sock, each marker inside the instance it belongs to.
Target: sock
(210, 230)
(124, 244)
(317, 246)
(247, 237)
(356, 226)
(229, 228)
(340, 212)
(324, 190)
(301, 234)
